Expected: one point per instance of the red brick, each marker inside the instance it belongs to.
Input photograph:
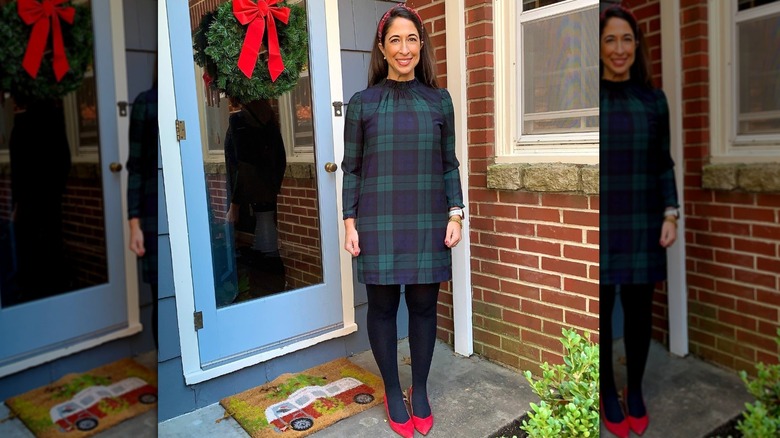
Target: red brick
(590, 322)
(481, 60)
(581, 287)
(706, 239)
(541, 340)
(593, 273)
(541, 310)
(519, 197)
(540, 278)
(749, 308)
(699, 252)
(771, 298)
(501, 299)
(701, 282)
(482, 76)
(482, 252)
(481, 137)
(498, 269)
(522, 320)
(754, 214)
(521, 290)
(732, 258)
(564, 267)
(495, 210)
(770, 265)
(516, 228)
(559, 233)
(755, 278)
(563, 299)
(593, 237)
(515, 258)
(481, 121)
(755, 247)
(581, 253)
(738, 319)
(594, 202)
(476, 151)
(737, 290)
(741, 198)
(712, 210)
(486, 337)
(480, 106)
(768, 200)
(767, 232)
(721, 301)
(539, 214)
(478, 91)
(715, 270)
(483, 196)
(539, 246)
(484, 224)
(565, 201)
(581, 218)
(479, 280)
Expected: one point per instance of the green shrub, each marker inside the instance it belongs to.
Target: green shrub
(762, 418)
(568, 393)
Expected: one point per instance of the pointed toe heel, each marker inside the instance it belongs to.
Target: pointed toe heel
(619, 429)
(637, 424)
(423, 425)
(405, 430)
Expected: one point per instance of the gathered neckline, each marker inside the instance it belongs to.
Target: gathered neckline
(399, 85)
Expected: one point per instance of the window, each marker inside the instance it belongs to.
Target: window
(745, 80)
(547, 71)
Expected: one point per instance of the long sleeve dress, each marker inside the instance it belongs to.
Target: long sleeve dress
(400, 179)
(637, 182)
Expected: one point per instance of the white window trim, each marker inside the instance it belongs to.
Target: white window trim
(578, 148)
(725, 146)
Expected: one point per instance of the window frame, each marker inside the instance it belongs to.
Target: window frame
(580, 147)
(726, 146)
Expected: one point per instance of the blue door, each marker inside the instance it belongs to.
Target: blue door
(264, 274)
(62, 272)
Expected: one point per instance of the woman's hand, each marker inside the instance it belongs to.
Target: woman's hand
(232, 213)
(351, 237)
(452, 237)
(136, 237)
(668, 234)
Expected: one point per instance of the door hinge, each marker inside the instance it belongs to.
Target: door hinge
(181, 131)
(337, 105)
(123, 108)
(198, 316)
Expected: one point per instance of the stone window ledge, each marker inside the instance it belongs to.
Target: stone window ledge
(546, 177)
(761, 178)
(293, 170)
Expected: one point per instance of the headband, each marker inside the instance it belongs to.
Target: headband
(387, 15)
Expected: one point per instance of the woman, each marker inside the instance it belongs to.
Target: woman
(402, 196)
(638, 208)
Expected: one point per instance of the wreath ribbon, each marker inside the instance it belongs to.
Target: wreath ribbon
(256, 15)
(44, 16)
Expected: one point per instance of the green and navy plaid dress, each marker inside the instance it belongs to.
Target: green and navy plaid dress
(142, 176)
(637, 182)
(400, 179)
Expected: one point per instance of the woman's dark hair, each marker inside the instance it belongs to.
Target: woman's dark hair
(424, 71)
(640, 70)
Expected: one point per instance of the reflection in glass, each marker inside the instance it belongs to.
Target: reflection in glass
(261, 246)
(52, 235)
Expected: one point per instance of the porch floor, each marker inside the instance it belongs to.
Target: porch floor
(471, 397)
(142, 426)
(685, 397)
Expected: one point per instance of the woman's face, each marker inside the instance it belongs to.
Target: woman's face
(401, 49)
(618, 49)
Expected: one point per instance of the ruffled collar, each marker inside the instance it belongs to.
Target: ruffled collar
(399, 85)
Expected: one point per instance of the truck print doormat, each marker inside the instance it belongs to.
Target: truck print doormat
(80, 405)
(297, 405)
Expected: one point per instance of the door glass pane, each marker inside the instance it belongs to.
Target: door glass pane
(261, 183)
(52, 233)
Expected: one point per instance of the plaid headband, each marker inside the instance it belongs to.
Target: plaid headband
(387, 15)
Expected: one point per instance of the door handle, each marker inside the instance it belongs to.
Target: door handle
(115, 167)
(331, 167)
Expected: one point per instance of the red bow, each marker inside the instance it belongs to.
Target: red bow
(38, 15)
(256, 15)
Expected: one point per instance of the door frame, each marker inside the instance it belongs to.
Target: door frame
(175, 197)
(115, 28)
(677, 284)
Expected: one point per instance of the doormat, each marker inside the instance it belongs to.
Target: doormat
(297, 405)
(80, 405)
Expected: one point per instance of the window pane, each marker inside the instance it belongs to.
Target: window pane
(759, 76)
(747, 4)
(559, 73)
(533, 4)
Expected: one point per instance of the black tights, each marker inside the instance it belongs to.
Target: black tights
(421, 300)
(637, 300)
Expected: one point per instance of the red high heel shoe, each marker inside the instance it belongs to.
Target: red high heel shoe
(406, 430)
(637, 424)
(423, 425)
(620, 429)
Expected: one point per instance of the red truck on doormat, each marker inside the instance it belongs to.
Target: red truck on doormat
(83, 411)
(298, 411)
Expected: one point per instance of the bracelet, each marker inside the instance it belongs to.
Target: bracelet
(456, 212)
(671, 219)
(457, 220)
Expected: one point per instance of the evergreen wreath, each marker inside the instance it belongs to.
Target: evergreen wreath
(217, 45)
(15, 34)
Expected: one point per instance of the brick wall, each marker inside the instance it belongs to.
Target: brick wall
(732, 237)
(534, 255)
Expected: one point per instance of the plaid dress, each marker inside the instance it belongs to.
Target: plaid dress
(142, 176)
(637, 182)
(400, 179)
